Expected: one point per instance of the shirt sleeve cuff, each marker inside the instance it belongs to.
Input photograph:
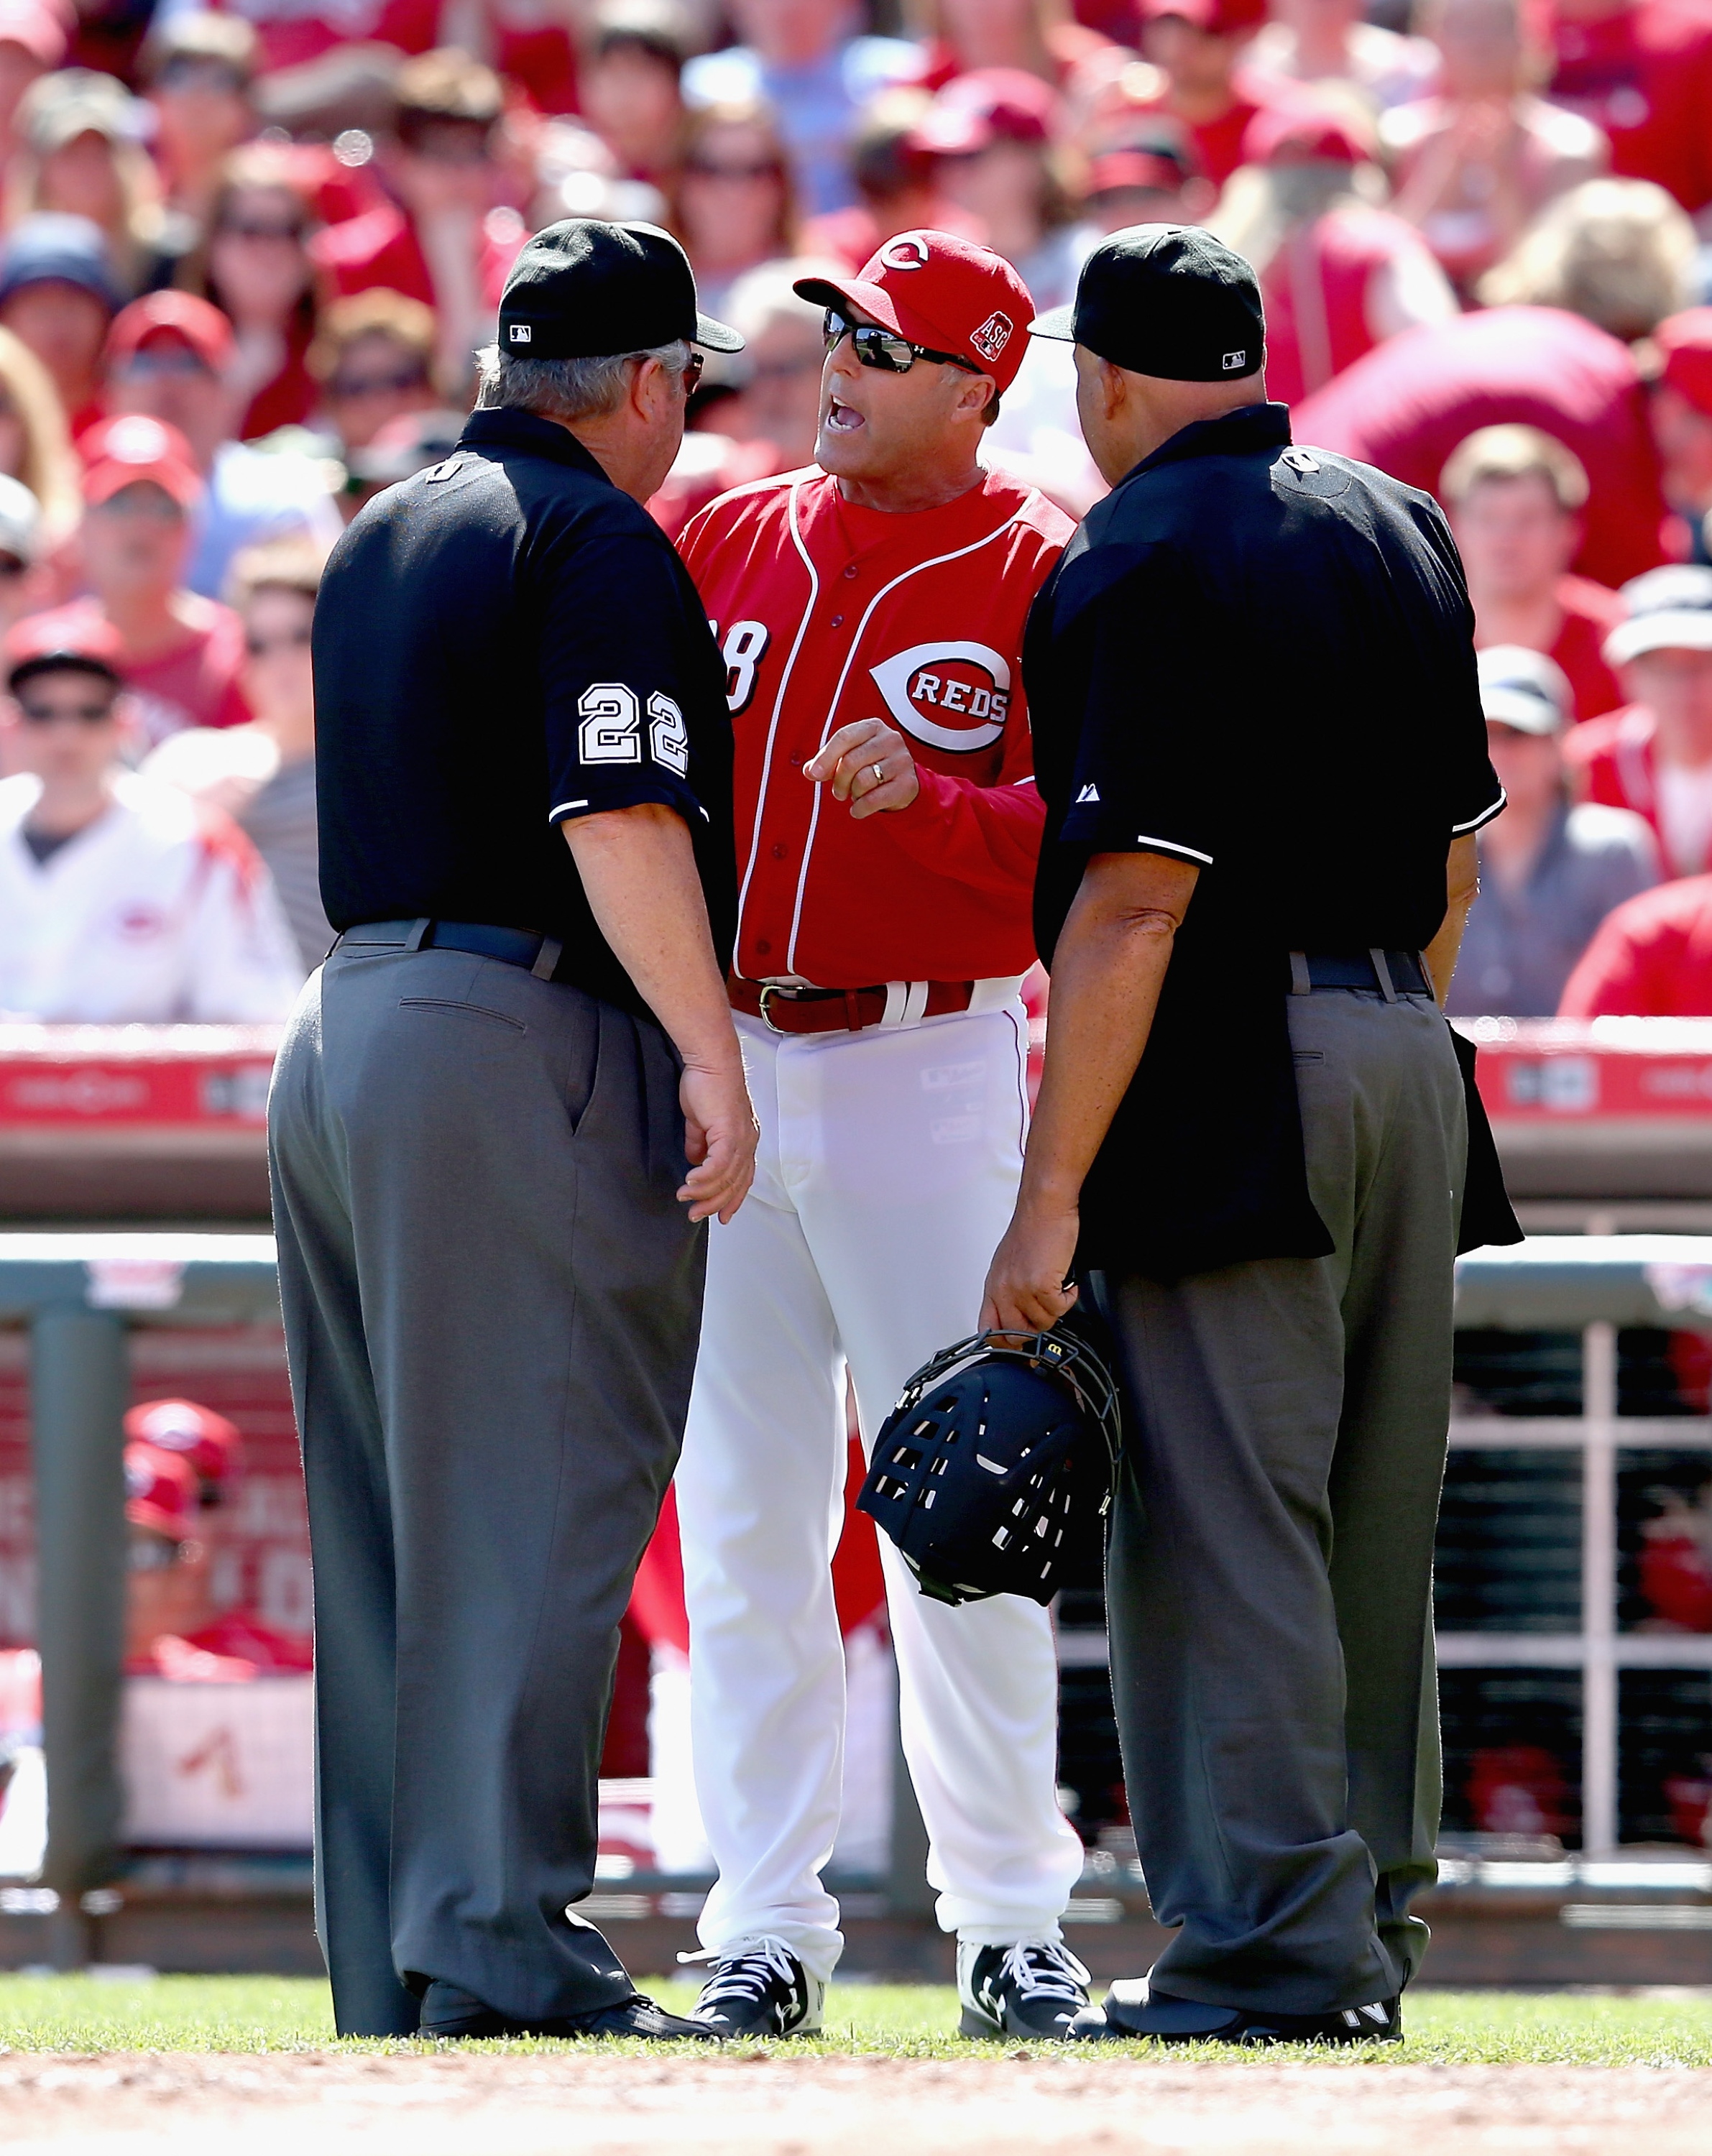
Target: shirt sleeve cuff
(628, 793)
(1100, 831)
(1485, 816)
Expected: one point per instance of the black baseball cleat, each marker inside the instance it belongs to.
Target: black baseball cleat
(449, 2012)
(758, 1989)
(1035, 1988)
(1134, 2009)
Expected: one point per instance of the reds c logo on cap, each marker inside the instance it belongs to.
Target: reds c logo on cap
(906, 251)
(991, 339)
(950, 696)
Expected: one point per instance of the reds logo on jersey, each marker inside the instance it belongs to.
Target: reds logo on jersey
(950, 696)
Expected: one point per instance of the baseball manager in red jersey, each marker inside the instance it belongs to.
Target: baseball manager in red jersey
(871, 610)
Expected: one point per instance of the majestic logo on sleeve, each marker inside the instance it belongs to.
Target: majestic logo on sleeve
(991, 339)
(950, 696)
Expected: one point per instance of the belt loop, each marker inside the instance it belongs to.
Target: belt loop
(546, 959)
(1381, 966)
(418, 929)
(853, 1011)
(1301, 981)
(915, 1002)
(897, 995)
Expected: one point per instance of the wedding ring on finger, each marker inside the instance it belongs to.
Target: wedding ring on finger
(878, 775)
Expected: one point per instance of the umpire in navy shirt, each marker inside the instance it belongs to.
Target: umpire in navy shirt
(1259, 736)
(504, 1109)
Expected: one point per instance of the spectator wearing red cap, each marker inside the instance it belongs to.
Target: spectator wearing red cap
(1327, 41)
(898, 577)
(1198, 46)
(895, 181)
(1642, 70)
(168, 357)
(1651, 958)
(1515, 498)
(1680, 407)
(1409, 403)
(801, 59)
(1148, 174)
(991, 136)
(1655, 756)
(1339, 274)
(206, 1442)
(1475, 161)
(122, 902)
(180, 654)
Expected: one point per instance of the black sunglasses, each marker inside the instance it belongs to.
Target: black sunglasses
(47, 715)
(884, 348)
(693, 367)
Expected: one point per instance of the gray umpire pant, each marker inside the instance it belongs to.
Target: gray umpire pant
(492, 1299)
(1271, 1571)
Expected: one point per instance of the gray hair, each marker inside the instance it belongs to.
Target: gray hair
(565, 388)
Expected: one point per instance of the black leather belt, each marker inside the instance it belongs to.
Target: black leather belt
(513, 946)
(1360, 969)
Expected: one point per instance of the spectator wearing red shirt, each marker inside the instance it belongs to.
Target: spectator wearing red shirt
(373, 359)
(1338, 273)
(257, 272)
(1655, 756)
(992, 135)
(895, 184)
(1198, 46)
(435, 240)
(294, 32)
(1642, 70)
(58, 295)
(1515, 498)
(1651, 958)
(1681, 412)
(181, 654)
(1408, 403)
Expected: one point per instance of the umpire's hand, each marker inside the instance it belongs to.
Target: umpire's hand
(720, 1138)
(869, 765)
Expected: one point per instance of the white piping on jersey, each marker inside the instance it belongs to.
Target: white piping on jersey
(778, 708)
(1486, 815)
(937, 561)
(1173, 846)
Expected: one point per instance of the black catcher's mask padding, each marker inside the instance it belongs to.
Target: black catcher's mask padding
(994, 1473)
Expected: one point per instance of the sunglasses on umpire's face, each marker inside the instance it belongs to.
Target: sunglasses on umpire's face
(883, 348)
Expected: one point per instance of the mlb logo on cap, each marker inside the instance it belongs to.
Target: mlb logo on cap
(520, 333)
(1233, 360)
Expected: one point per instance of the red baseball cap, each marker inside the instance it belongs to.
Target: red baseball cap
(120, 452)
(950, 295)
(207, 1440)
(1302, 133)
(988, 104)
(160, 1491)
(1219, 18)
(72, 635)
(201, 325)
(1684, 342)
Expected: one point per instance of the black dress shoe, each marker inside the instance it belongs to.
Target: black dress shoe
(449, 2012)
(1135, 2009)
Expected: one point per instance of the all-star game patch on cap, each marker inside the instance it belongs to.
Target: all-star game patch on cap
(584, 289)
(942, 292)
(1165, 299)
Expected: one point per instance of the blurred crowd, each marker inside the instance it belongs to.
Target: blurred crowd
(247, 255)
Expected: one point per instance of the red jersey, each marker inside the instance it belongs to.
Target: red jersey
(828, 613)
(1408, 403)
(1613, 760)
(1644, 74)
(1652, 958)
(194, 682)
(1590, 612)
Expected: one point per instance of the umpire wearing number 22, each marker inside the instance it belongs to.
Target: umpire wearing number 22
(504, 1108)
(1259, 736)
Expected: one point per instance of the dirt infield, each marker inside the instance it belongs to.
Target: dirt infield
(462, 2104)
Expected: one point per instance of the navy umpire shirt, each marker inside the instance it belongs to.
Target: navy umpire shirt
(502, 643)
(1260, 660)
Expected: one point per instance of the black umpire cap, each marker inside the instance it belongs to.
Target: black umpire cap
(1165, 299)
(586, 289)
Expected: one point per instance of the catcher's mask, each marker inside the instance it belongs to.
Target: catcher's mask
(995, 1471)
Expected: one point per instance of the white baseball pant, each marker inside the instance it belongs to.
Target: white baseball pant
(889, 1167)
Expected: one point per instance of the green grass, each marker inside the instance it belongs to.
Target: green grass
(285, 2014)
